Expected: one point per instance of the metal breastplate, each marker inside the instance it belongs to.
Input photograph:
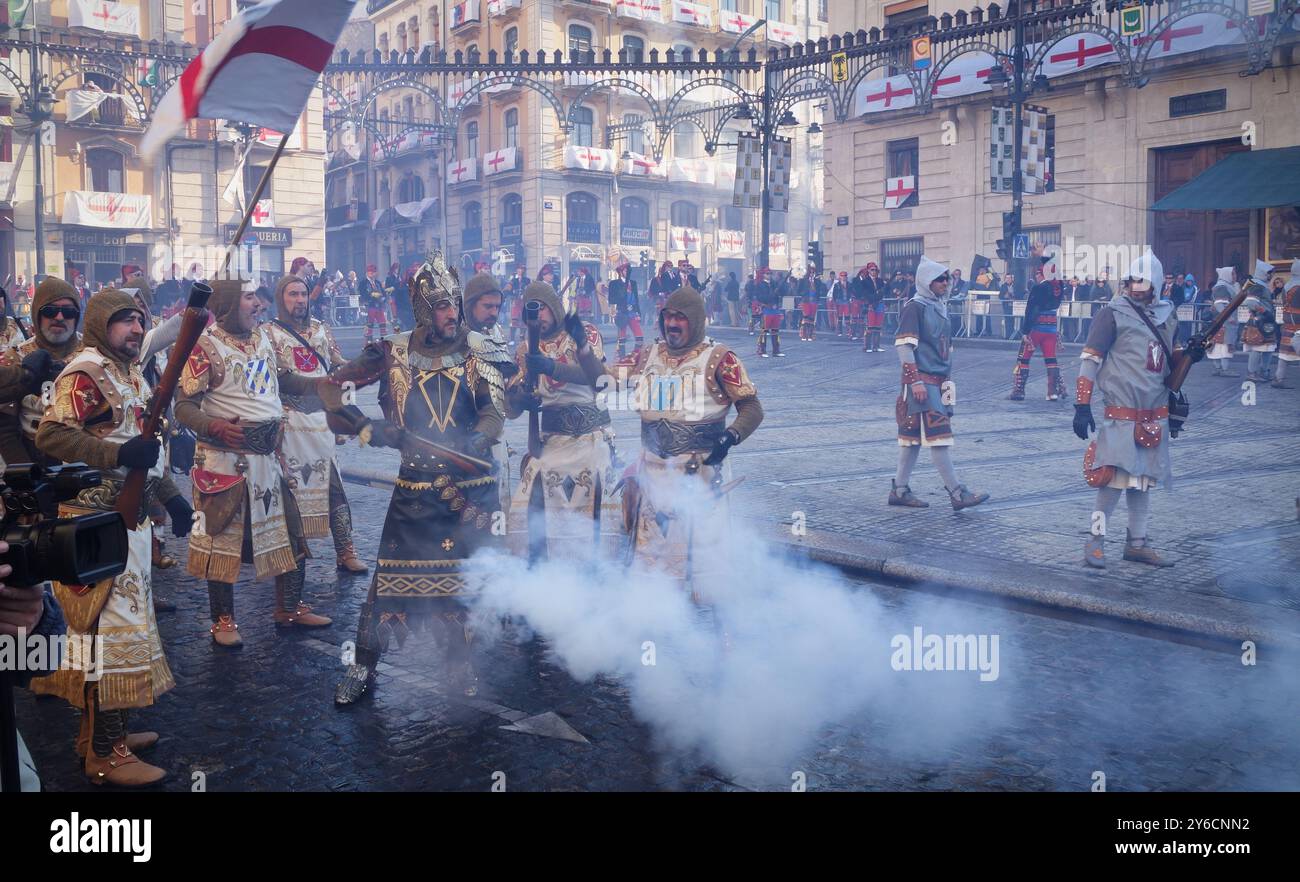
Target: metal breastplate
(440, 406)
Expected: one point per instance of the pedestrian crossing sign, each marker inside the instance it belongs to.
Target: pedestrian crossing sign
(1020, 246)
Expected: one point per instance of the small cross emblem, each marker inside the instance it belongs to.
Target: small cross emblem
(448, 545)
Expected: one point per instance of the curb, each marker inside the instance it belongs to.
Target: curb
(1097, 596)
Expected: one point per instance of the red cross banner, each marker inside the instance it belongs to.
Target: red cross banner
(642, 166)
(737, 22)
(463, 12)
(1077, 53)
(461, 170)
(282, 42)
(898, 189)
(457, 90)
(108, 210)
(501, 7)
(964, 75)
(686, 239)
(877, 96)
(589, 158)
(692, 13)
(782, 33)
(731, 243)
(642, 10)
(263, 214)
(497, 161)
(1191, 34)
(692, 171)
(101, 15)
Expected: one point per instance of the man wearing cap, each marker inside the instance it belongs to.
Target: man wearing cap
(1038, 330)
(627, 309)
(441, 412)
(1289, 352)
(561, 507)
(94, 417)
(229, 396)
(1128, 355)
(924, 407)
(686, 388)
(487, 342)
(305, 347)
(28, 369)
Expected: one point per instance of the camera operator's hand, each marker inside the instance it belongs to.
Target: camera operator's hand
(41, 367)
(141, 452)
(181, 514)
(20, 608)
(228, 432)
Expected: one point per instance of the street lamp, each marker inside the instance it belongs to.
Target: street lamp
(39, 109)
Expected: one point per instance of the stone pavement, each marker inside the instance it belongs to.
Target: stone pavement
(827, 449)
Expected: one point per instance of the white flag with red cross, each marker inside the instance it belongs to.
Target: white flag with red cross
(497, 161)
(782, 32)
(589, 158)
(964, 75)
(878, 96)
(263, 214)
(737, 22)
(692, 13)
(259, 70)
(898, 189)
(642, 166)
(461, 170)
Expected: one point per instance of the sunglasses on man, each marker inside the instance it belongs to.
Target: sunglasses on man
(49, 312)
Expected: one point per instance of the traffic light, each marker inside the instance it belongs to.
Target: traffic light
(645, 258)
(1010, 226)
(815, 256)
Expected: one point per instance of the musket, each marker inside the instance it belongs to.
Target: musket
(532, 320)
(462, 461)
(1179, 370)
(192, 325)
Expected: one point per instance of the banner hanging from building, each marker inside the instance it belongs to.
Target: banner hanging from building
(686, 239)
(642, 166)
(878, 96)
(782, 32)
(685, 12)
(898, 189)
(692, 171)
(589, 158)
(461, 170)
(101, 15)
(85, 208)
(737, 22)
(731, 243)
(502, 160)
(263, 214)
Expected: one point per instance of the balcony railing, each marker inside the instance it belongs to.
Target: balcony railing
(349, 213)
(583, 231)
(471, 238)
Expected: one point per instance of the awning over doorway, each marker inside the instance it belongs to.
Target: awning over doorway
(1249, 179)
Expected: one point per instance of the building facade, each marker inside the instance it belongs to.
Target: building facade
(105, 65)
(512, 188)
(1118, 148)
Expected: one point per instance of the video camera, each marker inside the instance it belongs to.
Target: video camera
(79, 550)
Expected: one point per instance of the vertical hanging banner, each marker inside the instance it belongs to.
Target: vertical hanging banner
(1001, 148)
(920, 52)
(1033, 150)
(1130, 21)
(748, 192)
(778, 180)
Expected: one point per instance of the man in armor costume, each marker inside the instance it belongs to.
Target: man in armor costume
(1259, 337)
(443, 401)
(923, 411)
(1039, 331)
(1128, 355)
(229, 396)
(1290, 326)
(1225, 289)
(686, 387)
(306, 347)
(94, 418)
(561, 506)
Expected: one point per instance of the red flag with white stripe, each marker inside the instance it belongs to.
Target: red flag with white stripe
(259, 70)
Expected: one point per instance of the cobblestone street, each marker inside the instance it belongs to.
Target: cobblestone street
(1149, 710)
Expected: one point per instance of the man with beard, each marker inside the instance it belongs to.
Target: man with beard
(1128, 355)
(229, 396)
(305, 346)
(560, 507)
(95, 418)
(487, 342)
(1038, 330)
(923, 411)
(439, 402)
(685, 390)
(26, 368)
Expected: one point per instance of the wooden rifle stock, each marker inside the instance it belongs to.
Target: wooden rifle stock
(1178, 373)
(534, 324)
(195, 320)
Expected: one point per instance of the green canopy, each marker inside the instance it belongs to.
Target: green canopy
(1249, 179)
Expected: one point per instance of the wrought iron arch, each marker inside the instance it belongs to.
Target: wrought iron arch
(861, 76)
(679, 96)
(790, 95)
(401, 82)
(481, 85)
(615, 83)
(1257, 49)
(960, 49)
(20, 86)
(1034, 67)
(143, 109)
(669, 129)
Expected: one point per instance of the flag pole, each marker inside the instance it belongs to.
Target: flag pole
(252, 203)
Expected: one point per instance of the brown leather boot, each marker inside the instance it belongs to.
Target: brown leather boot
(348, 562)
(136, 741)
(904, 496)
(289, 608)
(225, 633)
(301, 616)
(963, 498)
(1094, 552)
(1144, 554)
(121, 768)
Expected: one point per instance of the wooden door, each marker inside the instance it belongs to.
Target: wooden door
(1197, 241)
